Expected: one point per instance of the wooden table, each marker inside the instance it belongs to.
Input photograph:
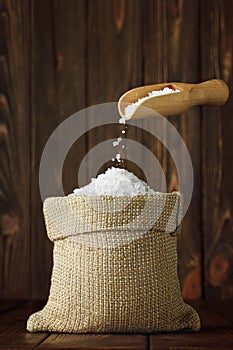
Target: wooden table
(216, 332)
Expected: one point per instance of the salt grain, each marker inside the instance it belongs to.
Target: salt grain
(115, 182)
(116, 143)
(118, 157)
(122, 120)
(132, 106)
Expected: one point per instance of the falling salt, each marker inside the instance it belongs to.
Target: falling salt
(118, 157)
(116, 143)
(122, 120)
(132, 106)
(115, 182)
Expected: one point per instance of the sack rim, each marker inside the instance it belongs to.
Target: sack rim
(103, 196)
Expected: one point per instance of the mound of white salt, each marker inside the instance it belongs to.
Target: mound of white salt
(132, 106)
(115, 182)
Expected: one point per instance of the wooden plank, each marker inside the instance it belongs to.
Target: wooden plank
(170, 47)
(14, 151)
(216, 333)
(113, 66)
(217, 151)
(183, 51)
(154, 70)
(6, 305)
(13, 334)
(58, 90)
(223, 307)
(114, 49)
(95, 341)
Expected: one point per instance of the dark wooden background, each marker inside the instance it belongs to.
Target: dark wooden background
(57, 57)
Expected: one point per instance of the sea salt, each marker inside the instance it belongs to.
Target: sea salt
(116, 143)
(118, 157)
(132, 106)
(115, 182)
(122, 120)
(130, 109)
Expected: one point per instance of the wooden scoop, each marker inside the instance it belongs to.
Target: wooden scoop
(212, 92)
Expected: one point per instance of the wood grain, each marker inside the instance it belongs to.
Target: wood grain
(14, 152)
(216, 333)
(217, 152)
(13, 334)
(183, 28)
(224, 308)
(113, 63)
(170, 48)
(58, 55)
(6, 305)
(95, 341)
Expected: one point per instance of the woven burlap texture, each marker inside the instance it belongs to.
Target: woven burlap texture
(115, 266)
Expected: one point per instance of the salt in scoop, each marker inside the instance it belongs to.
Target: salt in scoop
(213, 92)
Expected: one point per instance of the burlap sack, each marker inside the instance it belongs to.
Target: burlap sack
(115, 266)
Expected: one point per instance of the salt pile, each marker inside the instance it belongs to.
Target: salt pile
(115, 182)
(131, 107)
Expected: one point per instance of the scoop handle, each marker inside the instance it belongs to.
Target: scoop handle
(213, 92)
